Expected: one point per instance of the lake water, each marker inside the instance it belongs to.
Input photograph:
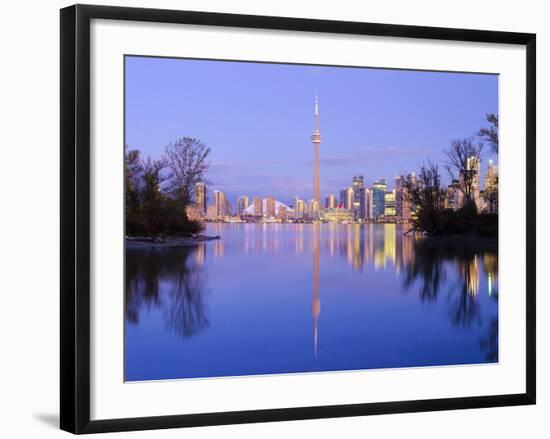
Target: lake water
(285, 298)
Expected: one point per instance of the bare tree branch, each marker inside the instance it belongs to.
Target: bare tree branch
(186, 159)
(463, 161)
(490, 133)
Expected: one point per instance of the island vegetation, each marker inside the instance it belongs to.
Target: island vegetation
(426, 194)
(158, 191)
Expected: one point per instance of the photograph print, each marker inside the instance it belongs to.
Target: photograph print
(292, 218)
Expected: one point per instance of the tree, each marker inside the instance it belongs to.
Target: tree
(463, 162)
(151, 198)
(186, 160)
(490, 133)
(132, 174)
(424, 196)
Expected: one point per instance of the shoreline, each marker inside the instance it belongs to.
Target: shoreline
(143, 242)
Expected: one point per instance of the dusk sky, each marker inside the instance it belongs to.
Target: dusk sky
(258, 120)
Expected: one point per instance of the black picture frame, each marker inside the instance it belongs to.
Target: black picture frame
(75, 217)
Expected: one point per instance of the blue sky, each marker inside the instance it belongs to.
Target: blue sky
(258, 119)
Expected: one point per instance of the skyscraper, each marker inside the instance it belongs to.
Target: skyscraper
(270, 207)
(399, 196)
(469, 180)
(200, 197)
(242, 204)
(299, 208)
(453, 196)
(357, 186)
(282, 213)
(491, 188)
(407, 202)
(220, 204)
(378, 195)
(316, 139)
(474, 165)
(365, 207)
(313, 209)
(258, 206)
(330, 202)
(342, 200)
(389, 203)
(346, 198)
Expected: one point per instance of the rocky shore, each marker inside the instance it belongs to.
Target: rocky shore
(138, 241)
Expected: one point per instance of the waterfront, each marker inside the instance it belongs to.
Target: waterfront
(284, 298)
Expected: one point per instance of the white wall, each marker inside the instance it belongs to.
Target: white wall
(29, 218)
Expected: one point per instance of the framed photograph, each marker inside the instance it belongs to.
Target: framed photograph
(268, 219)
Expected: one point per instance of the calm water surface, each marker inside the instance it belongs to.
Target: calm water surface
(283, 298)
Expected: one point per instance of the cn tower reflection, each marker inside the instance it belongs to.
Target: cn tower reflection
(316, 305)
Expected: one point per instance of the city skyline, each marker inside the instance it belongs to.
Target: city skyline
(359, 128)
(358, 202)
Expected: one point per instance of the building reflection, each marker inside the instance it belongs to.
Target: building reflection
(490, 266)
(389, 242)
(438, 259)
(219, 247)
(470, 272)
(316, 305)
(173, 279)
(361, 245)
(370, 246)
(200, 254)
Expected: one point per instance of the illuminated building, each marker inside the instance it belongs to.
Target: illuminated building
(330, 202)
(212, 212)
(474, 165)
(270, 207)
(200, 197)
(378, 195)
(365, 205)
(338, 215)
(313, 209)
(282, 213)
(357, 188)
(472, 174)
(399, 196)
(389, 204)
(258, 206)
(316, 139)
(453, 196)
(346, 198)
(220, 205)
(491, 188)
(242, 204)
(299, 208)
(407, 202)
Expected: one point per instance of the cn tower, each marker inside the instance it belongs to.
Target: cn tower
(316, 139)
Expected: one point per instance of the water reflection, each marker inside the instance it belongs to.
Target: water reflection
(169, 279)
(316, 306)
(253, 280)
